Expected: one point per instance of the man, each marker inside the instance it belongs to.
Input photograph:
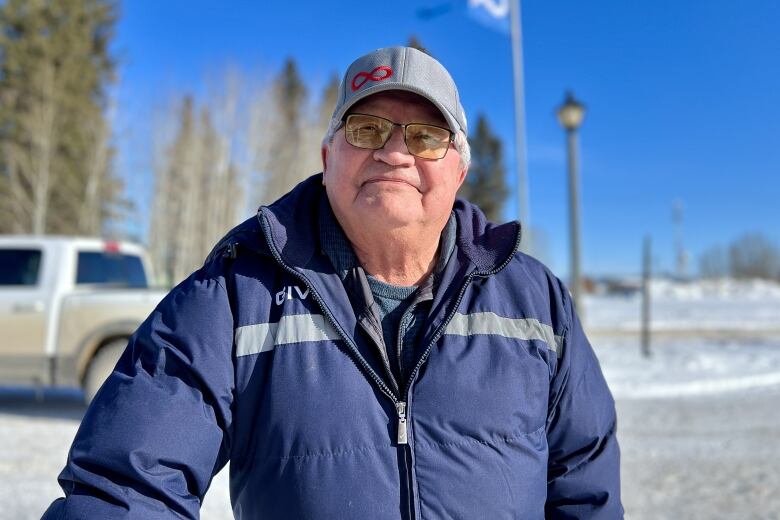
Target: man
(373, 349)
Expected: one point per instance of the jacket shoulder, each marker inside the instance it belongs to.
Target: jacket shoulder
(247, 235)
(545, 287)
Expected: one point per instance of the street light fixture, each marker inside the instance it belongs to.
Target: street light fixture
(570, 116)
(571, 113)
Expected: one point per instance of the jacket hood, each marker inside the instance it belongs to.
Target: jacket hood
(293, 220)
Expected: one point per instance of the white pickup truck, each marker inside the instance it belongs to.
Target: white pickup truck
(67, 308)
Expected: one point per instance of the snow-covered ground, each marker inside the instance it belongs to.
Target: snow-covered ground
(698, 426)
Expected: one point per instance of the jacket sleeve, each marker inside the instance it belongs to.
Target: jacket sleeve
(159, 427)
(583, 476)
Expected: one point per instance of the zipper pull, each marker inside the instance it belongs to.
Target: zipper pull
(401, 408)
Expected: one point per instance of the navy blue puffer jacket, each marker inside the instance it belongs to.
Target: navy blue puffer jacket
(258, 359)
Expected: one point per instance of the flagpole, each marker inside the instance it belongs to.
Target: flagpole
(520, 141)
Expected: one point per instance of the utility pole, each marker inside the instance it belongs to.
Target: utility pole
(646, 275)
(681, 256)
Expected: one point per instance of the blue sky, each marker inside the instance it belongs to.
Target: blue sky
(682, 101)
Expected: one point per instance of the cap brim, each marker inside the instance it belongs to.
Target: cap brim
(384, 87)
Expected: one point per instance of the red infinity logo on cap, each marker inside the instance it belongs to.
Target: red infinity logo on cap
(361, 78)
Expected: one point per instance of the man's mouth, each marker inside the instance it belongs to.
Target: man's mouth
(393, 180)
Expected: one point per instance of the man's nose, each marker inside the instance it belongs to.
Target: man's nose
(394, 151)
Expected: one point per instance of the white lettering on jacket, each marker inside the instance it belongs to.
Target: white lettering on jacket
(287, 293)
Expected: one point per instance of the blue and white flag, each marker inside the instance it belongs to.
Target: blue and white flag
(493, 14)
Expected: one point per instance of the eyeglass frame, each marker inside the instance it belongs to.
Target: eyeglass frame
(403, 126)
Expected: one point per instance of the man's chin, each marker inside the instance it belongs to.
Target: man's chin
(390, 211)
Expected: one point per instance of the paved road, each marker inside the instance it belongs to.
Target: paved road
(713, 457)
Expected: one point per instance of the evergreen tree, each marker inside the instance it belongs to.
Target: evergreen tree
(55, 158)
(485, 183)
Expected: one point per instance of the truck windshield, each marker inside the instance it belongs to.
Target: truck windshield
(19, 266)
(110, 269)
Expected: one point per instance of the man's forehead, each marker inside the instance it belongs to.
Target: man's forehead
(399, 98)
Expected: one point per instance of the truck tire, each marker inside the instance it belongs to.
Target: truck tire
(101, 365)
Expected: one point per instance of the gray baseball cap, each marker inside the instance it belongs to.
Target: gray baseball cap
(401, 68)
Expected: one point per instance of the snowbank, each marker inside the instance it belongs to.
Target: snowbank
(749, 306)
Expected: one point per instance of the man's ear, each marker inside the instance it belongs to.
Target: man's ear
(462, 176)
(324, 153)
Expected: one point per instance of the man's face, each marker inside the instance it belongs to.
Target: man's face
(391, 187)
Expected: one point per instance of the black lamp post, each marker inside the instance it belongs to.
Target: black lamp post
(570, 115)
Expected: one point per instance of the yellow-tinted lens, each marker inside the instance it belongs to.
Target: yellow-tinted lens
(367, 131)
(426, 141)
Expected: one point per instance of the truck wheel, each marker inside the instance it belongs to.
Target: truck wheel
(101, 365)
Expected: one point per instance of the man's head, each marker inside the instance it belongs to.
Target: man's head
(396, 151)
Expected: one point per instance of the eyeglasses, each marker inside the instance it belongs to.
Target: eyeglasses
(373, 132)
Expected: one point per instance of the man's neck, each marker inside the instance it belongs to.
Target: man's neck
(400, 256)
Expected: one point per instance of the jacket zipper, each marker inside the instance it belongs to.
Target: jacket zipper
(401, 409)
(407, 477)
